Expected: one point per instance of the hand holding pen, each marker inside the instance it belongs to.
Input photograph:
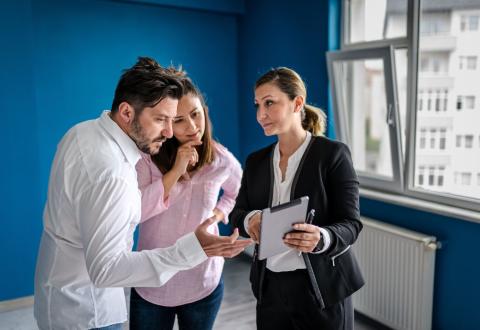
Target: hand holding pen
(306, 236)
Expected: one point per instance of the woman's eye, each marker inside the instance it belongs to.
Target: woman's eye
(268, 103)
(255, 105)
(195, 114)
(178, 120)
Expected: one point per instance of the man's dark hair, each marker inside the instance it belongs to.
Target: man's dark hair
(145, 84)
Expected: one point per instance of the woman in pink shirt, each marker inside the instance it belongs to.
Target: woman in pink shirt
(180, 188)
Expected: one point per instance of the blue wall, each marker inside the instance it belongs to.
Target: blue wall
(60, 62)
(280, 33)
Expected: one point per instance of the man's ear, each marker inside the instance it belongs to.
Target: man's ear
(126, 113)
(299, 102)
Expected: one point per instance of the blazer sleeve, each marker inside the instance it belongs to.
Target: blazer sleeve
(343, 199)
(242, 206)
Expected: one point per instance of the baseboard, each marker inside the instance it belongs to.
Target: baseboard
(9, 305)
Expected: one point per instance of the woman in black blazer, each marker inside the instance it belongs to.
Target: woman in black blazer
(308, 287)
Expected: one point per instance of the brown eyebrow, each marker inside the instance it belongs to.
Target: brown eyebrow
(264, 97)
(191, 111)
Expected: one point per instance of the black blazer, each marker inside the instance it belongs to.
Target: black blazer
(326, 175)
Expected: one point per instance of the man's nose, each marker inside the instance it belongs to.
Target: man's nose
(168, 130)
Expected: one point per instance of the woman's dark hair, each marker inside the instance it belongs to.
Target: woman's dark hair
(290, 83)
(145, 84)
(206, 154)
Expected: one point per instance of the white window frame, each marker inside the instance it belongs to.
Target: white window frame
(404, 184)
(392, 120)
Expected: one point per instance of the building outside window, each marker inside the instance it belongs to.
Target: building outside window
(397, 116)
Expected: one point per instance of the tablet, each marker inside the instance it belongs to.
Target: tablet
(276, 222)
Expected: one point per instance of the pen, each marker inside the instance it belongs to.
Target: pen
(308, 220)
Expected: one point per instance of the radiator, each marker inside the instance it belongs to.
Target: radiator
(398, 266)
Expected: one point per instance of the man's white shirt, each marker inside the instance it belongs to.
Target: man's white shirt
(92, 209)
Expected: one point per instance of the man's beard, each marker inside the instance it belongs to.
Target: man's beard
(143, 143)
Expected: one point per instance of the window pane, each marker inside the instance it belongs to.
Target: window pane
(377, 20)
(448, 81)
(361, 86)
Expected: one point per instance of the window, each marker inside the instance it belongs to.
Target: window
(465, 102)
(469, 23)
(368, 20)
(469, 102)
(445, 100)
(468, 63)
(423, 138)
(458, 141)
(421, 173)
(367, 122)
(443, 133)
(433, 133)
(441, 170)
(431, 176)
(466, 178)
(468, 141)
(374, 89)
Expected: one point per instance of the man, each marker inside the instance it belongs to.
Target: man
(94, 205)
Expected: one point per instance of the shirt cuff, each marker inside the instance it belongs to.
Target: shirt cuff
(247, 219)
(191, 249)
(326, 241)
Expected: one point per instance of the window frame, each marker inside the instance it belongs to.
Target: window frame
(405, 187)
(393, 121)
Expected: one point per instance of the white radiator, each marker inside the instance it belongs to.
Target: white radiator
(398, 266)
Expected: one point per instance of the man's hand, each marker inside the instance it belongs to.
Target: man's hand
(254, 227)
(304, 239)
(221, 246)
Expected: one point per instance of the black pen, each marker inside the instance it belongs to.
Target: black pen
(308, 220)
(310, 216)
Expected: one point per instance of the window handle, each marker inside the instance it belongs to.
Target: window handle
(390, 121)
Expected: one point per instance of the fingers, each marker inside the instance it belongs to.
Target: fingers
(301, 248)
(228, 250)
(305, 227)
(299, 243)
(234, 235)
(192, 143)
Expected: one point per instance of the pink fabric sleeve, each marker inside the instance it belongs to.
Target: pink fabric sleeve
(230, 186)
(153, 202)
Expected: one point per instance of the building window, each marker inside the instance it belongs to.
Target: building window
(445, 100)
(469, 23)
(442, 142)
(429, 101)
(468, 141)
(431, 176)
(423, 138)
(441, 171)
(465, 102)
(468, 62)
(458, 141)
(420, 101)
(421, 173)
(466, 178)
(433, 133)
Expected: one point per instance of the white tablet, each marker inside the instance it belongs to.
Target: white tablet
(276, 222)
